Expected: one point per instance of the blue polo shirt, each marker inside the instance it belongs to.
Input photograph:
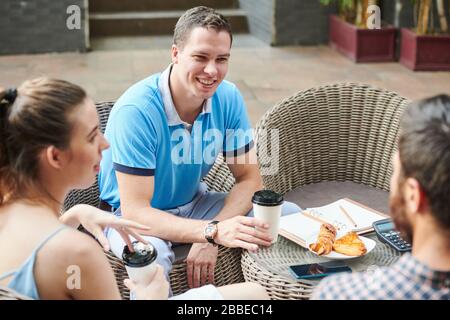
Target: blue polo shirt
(148, 138)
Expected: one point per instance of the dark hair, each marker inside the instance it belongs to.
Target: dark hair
(199, 17)
(37, 117)
(424, 147)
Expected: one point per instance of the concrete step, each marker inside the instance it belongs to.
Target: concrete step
(163, 42)
(156, 5)
(152, 23)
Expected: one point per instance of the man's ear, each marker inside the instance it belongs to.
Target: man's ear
(175, 53)
(54, 157)
(414, 196)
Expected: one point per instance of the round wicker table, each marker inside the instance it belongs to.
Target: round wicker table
(269, 266)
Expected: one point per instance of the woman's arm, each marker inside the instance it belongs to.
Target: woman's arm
(97, 281)
(73, 266)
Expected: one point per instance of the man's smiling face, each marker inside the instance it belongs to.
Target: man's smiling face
(202, 61)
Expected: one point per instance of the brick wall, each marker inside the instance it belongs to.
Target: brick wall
(32, 26)
(301, 22)
(405, 16)
(260, 14)
(288, 22)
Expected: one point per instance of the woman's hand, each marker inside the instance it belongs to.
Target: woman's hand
(95, 221)
(156, 289)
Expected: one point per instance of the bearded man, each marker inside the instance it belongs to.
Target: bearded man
(420, 208)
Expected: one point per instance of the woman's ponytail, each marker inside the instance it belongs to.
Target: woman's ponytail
(9, 95)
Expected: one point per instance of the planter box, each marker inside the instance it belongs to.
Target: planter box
(425, 52)
(362, 45)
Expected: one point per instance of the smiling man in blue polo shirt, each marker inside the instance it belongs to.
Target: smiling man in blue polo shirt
(165, 133)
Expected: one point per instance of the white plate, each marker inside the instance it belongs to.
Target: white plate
(369, 243)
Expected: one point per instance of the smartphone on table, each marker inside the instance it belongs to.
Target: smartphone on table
(318, 270)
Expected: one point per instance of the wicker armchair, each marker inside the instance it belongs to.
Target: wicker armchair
(341, 132)
(228, 267)
(9, 294)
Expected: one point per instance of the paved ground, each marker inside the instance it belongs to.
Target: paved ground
(264, 74)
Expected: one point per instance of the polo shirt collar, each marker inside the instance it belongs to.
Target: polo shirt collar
(173, 119)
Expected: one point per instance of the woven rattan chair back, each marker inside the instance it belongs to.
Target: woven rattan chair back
(340, 132)
(228, 267)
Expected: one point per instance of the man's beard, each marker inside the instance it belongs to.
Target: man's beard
(398, 213)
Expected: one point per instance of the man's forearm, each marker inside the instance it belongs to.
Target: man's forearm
(238, 201)
(166, 226)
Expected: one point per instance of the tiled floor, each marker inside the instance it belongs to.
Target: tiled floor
(264, 74)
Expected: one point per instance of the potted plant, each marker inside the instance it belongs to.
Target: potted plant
(427, 46)
(350, 35)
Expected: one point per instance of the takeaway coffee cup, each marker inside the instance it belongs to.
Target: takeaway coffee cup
(267, 207)
(140, 264)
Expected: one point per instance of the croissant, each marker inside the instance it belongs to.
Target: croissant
(350, 245)
(325, 240)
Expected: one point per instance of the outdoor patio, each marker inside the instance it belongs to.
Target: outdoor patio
(264, 74)
(326, 120)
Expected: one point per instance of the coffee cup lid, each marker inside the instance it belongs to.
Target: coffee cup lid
(143, 255)
(267, 198)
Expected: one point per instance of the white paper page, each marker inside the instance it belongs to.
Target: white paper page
(303, 227)
(299, 225)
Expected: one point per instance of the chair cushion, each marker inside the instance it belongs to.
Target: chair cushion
(323, 193)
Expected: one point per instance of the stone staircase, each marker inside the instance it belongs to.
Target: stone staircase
(118, 18)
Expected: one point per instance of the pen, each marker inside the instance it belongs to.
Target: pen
(309, 215)
(348, 216)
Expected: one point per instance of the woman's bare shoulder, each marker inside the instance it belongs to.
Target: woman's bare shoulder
(71, 242)
(71, 254)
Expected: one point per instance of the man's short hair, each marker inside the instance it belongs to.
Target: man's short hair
(424, 146)
(199, 17)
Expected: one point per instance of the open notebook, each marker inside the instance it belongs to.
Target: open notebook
(298, 227)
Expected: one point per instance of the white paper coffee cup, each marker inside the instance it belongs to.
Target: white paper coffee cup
(141, 274)
(267, 208)
(140, 264)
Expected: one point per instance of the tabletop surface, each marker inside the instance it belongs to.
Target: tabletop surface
(278, 257)
(270, 266)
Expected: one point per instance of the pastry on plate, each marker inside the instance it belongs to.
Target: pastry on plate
(350, 245)
(324, 243)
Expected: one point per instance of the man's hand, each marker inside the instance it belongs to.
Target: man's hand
(243, 232)
(201, 263)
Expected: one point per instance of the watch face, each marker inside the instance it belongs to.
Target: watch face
(209, 231)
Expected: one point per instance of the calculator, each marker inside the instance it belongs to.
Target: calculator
(387, 233)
